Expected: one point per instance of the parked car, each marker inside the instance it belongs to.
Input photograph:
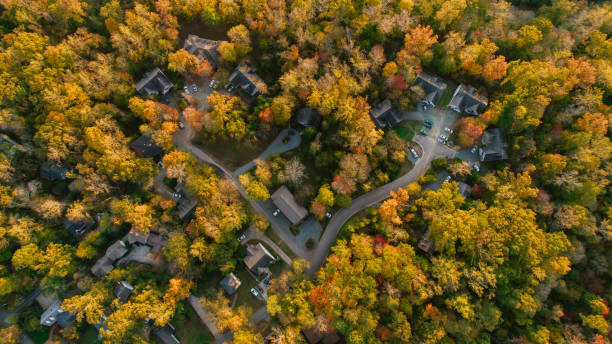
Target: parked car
(254, 292)
(181, 125)
(423, 132)
(440, 141)
(186, 89)
(447, 179)
(449, 130)
(212, 84)
(443, 137)
(328, 214)
(428, 122)
(194, 88)
(414, 153)
(476, 167)
(427, 125)
(166, 100)
(474, 149)
(177, 195)
(276, 212)
(241, 238)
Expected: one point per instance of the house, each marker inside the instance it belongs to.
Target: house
(464, 189)
(155, 83)
(284, 200)
(307, 117)
(425, 244)
(258, 259)
(494, 145)
(157, 241)
(203, 49)
(466, 99)
(145, 147)
(78, 228)
(432, 86)
(186, 204)
(104, 265)
(315, 335)
(136, 237)
(231, 283)
(123, 290)
(101, 325)
(384, 115)
(54, 314)
(54, 172)
(165, 335)
(245, 79)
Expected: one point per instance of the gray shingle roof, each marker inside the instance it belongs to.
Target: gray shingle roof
(78, 228)
(104, 265)
(154, 82)
(245, 78)
(433, 87)
(285, 201)
(384, 115)
(467, 99)
(258, 259)
(464, 189)
(203, 49)
(52, 172)
(307, 116)
(494, 145)
(123, 290)
(165, 334)
(186, 205)
(145, 147)
(231, 283)
(54, 314)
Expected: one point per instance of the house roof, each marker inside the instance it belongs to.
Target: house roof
(203, 48)
(53, 172)
(77, 228)
(467, 99)
(54, 314)
(464, 189)
(186, 205)
(154, 82)
(102, 267)
(425, 244)
(116, 250)
(258, 259)
(123, 290)
(384, 115)
(433, 86)
(136, 236)
(307, 116)
(101, 325)
(494, 145)
(285, 201)
(314, 335)
(165, 334)
(145, 147)
(244, 77)
(157, 241)
(231, 283)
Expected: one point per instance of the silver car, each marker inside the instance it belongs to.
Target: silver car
(186, 89)
(194, 88)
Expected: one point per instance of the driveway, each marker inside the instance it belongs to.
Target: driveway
(276, 147)
(431, 150)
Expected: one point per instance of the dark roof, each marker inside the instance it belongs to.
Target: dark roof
(307, 117)
(231, 283)
(425, 244)
(258, 259)
(314, 336)
(203, 49)
(433, 86)
(464, 189)
(136, 236)
(102, 267)
(384, 115)
(284, 200)
(186, 205)
(154, 82)
(245, 78)
(494, 145)
(466, 99)
(157, 241)
(53, 172)
(145, 147)
(101, 325)
(165, 334)
(116, 250)
(78, 228)
(54, 314)
(123, 290)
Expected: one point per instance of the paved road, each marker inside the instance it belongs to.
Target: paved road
(277, 146)
(26, 302)
(431, 150)
(251, 235)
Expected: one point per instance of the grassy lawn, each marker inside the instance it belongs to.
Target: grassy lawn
(446, 97)
(272, 235)
(89, 335)
(407, 129)
(245, 298)
(233, 154)
(190, 330)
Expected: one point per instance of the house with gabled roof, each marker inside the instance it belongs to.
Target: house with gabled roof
(384, 115)
(145, 147)
(467, 100)
(186, 204)
(231, 283)
(283, 199)
(307, 117)
(203, 49)
(104, 265)
(315, 335)
(245, 78)
(165, 334)
(432, 86)
(55, 314)
(425, 244)
(123, 290)
(258, 259)
(494, 146)
(154, 83)
(79, 227)
(54, 171)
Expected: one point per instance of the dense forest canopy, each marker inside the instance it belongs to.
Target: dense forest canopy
(527, 258)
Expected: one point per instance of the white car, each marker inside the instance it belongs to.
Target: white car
(449, 130)
(186, 89)
(414, 153)
(181, 125)
(194, 88)
(212, 84)
(276, 212)
(177, 195)
(440, 140)
(328, 214)
(476, 167)
(241, 238)
(474, 149)
(447, 179)
(254, 292)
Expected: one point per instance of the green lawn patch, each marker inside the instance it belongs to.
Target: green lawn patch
(189, 328)
(446, 97)
(89, 335)
(234, 154)
(407, 129)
